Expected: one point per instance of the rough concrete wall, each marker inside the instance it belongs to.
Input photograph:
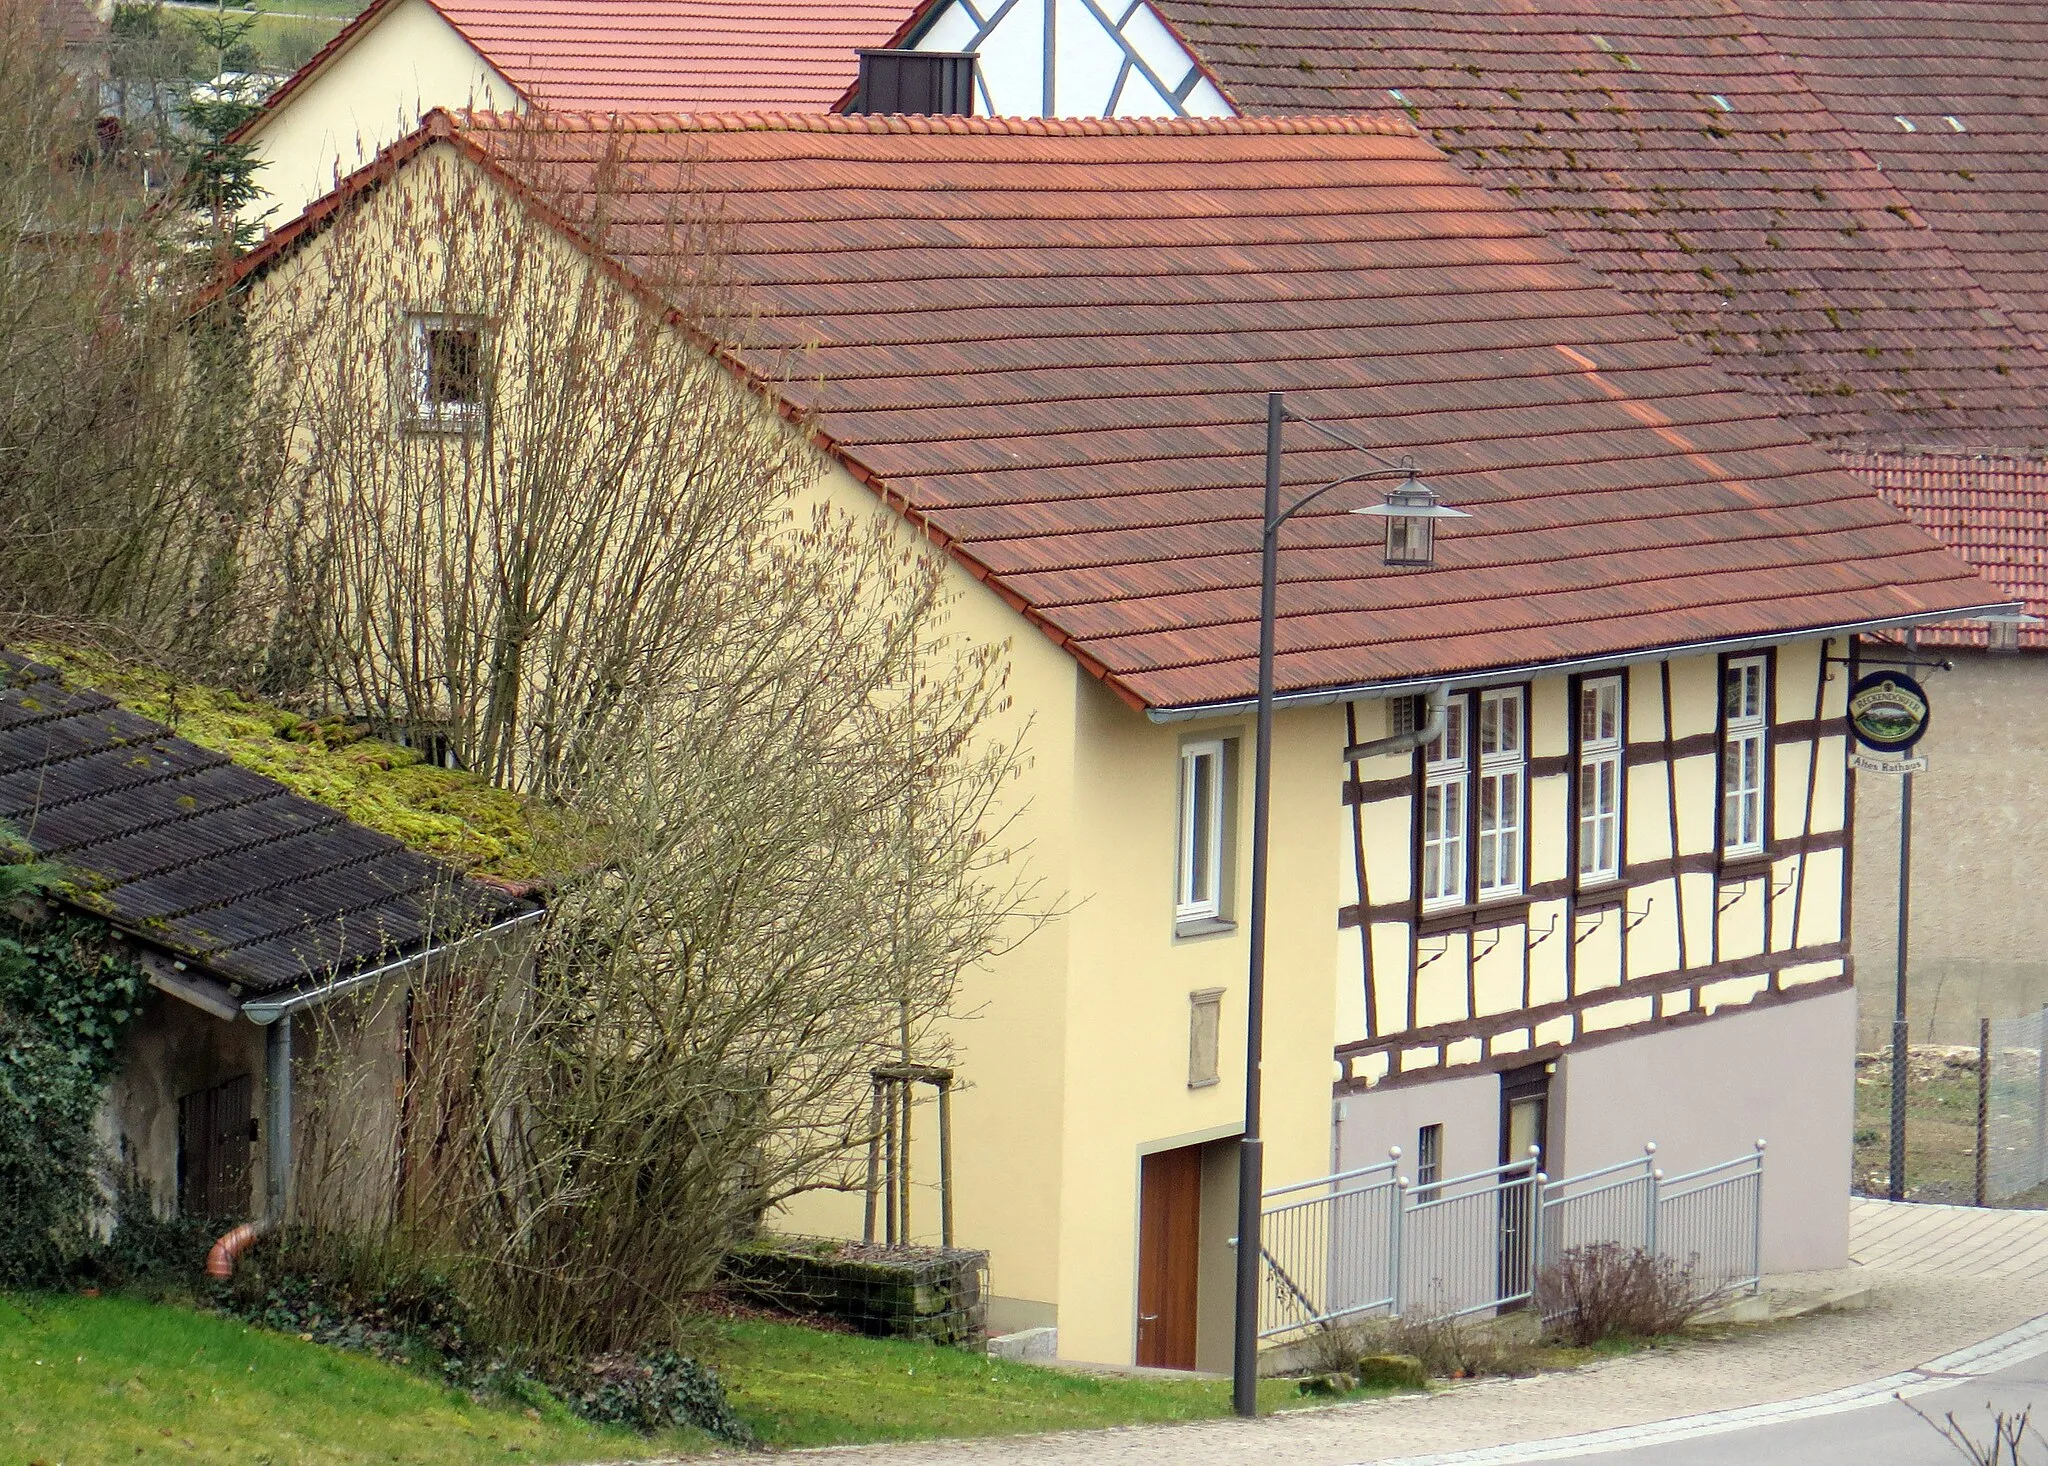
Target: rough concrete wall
(1705, 1092)
(348, 1074)
(1979, 939)
(175, 1050)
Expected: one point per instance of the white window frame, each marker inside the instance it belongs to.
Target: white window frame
(1745, 755)
(1600, 793)
(1446, 783)
(1499, 837)
(1198, 863)
(444, 417)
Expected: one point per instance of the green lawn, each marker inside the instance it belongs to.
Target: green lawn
(89, 1380)
(799, 1387)
(102, 1380)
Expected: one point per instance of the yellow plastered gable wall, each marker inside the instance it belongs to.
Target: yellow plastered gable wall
(1074, 1048)
(403, 64)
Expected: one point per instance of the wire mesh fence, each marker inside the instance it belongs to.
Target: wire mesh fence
(2015, 1141)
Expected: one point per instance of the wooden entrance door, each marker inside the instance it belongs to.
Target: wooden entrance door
(216, 1129)
(1169, 1256)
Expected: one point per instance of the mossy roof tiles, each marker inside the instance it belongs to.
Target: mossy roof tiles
(209, 862)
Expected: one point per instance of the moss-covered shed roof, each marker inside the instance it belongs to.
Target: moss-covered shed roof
(188, 848)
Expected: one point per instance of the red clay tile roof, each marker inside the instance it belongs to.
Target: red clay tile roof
(1991, 511)
(655, 55)
(1049, 343)
(1739, 167)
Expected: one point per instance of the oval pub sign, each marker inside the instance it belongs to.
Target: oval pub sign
(1888, 711)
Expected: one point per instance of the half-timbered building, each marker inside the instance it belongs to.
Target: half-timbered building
(1558, 797)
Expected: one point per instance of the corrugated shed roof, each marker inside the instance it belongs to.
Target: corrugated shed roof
(1740, 167)
(206, 860)
(1991, 511)
(1049, 344)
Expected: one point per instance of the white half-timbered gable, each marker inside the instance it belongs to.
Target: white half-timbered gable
(1072, 58)
(1576, 855)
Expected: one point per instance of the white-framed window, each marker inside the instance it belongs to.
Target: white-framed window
(1198, 883)
(446, 364)
(1744, 750)
(1503, 790)
(1429, 1161)
(1599, 780)
(1446, 782)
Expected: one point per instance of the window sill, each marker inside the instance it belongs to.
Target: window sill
(1202, 926)
(419, 424)
(1601, 899)
(1505, 912)
(1745, 867)
(1210, 1083)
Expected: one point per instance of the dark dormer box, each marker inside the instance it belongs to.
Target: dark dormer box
(929, 83)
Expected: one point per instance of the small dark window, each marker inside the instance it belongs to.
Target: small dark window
(447, 371)
(1429, 1161)
(913, 83)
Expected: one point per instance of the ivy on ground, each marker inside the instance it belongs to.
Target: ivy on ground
(66, 999)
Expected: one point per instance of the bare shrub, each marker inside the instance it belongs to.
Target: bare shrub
(1610, 1291)
(1335, 1347)
(782, 770)
(2009, 1431)
(123, 491)
(1452, 1348)
(520, 574)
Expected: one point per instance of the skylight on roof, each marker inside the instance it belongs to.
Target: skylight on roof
(1719, 101)
(1905, 124)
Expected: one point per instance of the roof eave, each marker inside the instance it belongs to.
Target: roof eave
(1606, 661)
(270, 1007)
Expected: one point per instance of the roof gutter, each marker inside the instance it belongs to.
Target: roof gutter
(266, 1011)
(1350, 692)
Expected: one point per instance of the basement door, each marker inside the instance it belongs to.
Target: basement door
(216, 1136)
(1169, 1256)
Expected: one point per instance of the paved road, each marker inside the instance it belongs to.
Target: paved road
(1884, 1422)
(1945, 1279)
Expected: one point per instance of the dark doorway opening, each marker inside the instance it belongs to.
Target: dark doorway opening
(1169, 1257)
(1524, 1127)
(216, 1141)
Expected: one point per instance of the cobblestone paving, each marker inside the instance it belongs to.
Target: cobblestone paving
(1944, 1277)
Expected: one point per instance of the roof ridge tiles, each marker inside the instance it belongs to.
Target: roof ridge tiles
(1360, 124)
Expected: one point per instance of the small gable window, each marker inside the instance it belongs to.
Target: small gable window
(447, 372)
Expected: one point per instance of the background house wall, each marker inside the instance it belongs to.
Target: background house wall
(1979, 943)
(403, 64)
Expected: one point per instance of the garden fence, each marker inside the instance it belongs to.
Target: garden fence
(2013, 1143)
(1372, 1241)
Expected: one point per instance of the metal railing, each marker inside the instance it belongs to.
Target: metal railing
(1370, 1241)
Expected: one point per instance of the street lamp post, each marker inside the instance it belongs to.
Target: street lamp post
(1415, 502)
